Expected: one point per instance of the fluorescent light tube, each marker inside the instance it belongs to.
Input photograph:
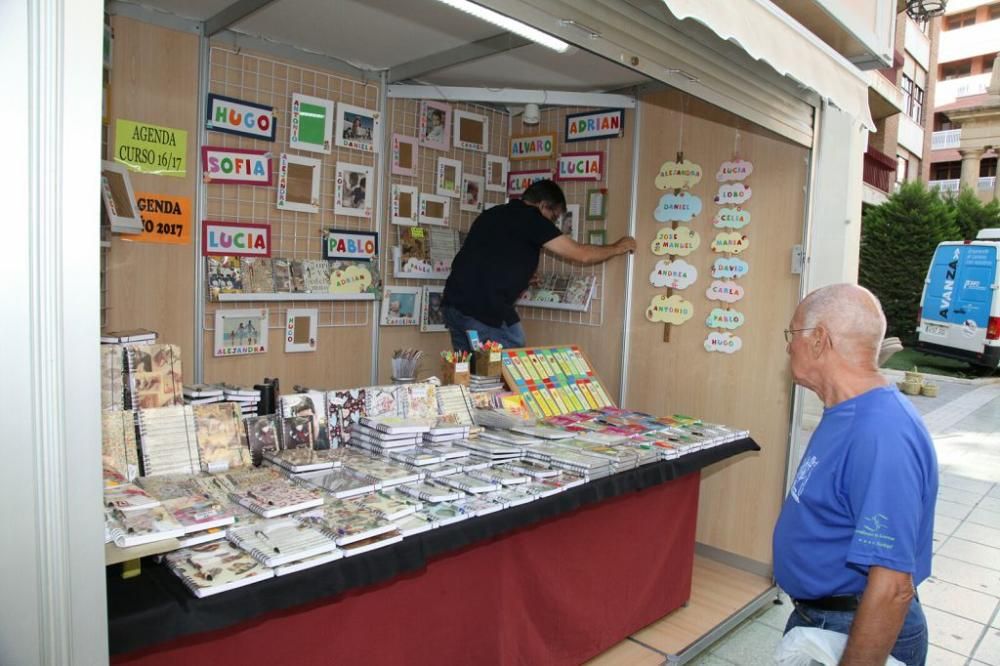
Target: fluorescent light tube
(509, 24)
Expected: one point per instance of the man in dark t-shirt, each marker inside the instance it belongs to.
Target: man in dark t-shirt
(498, 259)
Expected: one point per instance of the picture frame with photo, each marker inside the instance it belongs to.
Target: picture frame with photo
(569, 223)
(449, 178)
(400, 306)
(431, 314)
(435, 124)
(240, 332)
(311, 124)
(300, 329)
(358, 128)
(471, 131)
(434, 209)
(404, 155)
(353, 190)
(298, 183)
(405, 205)
(497, 167)
(119, 198)
(472, 193)
(597, 204)
(597, 237)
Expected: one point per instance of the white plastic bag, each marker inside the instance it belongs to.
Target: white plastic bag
(808, 646)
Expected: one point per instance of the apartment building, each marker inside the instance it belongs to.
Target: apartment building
(966, 111)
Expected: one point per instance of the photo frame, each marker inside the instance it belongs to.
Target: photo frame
(434, 209)
(353, 190)
(497, 167)
(298, 183)
(358, 128)
(300, 329)
(471, 131)
(404, 155)
(311, 124)
(405, 205)
(472, 193)
(597, 237)
(569, 223)
(119, 198)
(435, 124)
(449, 178)
(431, 315)
(597, 204)
(240, 332)
(400, 306)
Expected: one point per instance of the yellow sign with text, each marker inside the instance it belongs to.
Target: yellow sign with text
(146, 148)
(165, 219)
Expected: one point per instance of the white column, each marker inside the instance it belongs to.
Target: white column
(53, 608)
(970, 167)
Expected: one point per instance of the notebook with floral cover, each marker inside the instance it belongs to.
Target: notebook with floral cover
(215, 567)
(346, 522)
(220, 445)
(134, 528)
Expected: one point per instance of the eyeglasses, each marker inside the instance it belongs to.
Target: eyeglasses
(790, 333)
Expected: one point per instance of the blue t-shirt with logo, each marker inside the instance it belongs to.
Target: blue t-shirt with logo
(863, 495)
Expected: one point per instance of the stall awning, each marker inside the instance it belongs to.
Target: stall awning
(770, 35)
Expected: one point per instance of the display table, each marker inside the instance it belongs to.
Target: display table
(554, 581)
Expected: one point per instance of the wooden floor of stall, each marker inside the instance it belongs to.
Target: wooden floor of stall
(717, 592)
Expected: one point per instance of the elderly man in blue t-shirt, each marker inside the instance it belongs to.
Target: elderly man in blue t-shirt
(854, 536)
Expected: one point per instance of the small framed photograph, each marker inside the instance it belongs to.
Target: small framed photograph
(597, 204)
(431, 316)
(311, 125)
(300, 329)
(449, 178)
(298, 183)
(472, 193)
(354, 187)
(434, 209)
(404, 155)
(358, 128)
(597, 237)
(405, 205)
(240, 332)
(570, 222)
(435, 124)
(400, 306)
(119, 198)
(472, 131)
(497, 167)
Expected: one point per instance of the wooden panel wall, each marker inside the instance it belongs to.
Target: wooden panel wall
(752, 389)
(154, 79)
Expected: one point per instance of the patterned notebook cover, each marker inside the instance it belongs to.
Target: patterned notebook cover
(258, 276)
(343, 409)
(316, 274)
(220, 446)
(112, 377)
(119, 447)
(223, 275)
(419, 401)
(215, 567)
(133, 528)
(155, 375)
(198, 512)
(128, 497)
(298, 274)
(382, 401)
(263, 435)
(281, 274)
(348, 522)
(313, 405)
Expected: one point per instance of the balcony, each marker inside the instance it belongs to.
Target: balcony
(969, 42)
(946, 92)
(878, 170)
(946, 140)
(987, 183)
(951, 185)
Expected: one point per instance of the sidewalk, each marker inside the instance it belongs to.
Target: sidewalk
(962, 597)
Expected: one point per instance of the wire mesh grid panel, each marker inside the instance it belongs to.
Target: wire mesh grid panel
(553, 121)
(294, 235)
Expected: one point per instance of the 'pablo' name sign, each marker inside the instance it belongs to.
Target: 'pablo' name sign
(236, 165)
(350, 245)
(580, 166)
(234, 116)
(235, 238)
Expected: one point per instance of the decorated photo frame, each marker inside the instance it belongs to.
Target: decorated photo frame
(300, 329)
(597, 204)
(298, 183)
(404, 155)
(431, 315)
(449, 178)
(311, 124)
(400, 306)
(497, 167)
(472, 193)
(240, 332)
(236, 166)
(119, 198)
(358, 128)
(569, 223)
(353, 190)
(434, 209)
(405, 205)
(471, 131)
(435, 124)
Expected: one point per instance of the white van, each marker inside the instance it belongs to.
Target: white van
(960, 306)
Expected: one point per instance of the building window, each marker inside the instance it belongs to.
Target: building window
(913, 99)
(961, 20)
(955, 70)
(902, 164)
(994, 12)
(989, 59)
(946, 171)
(988, 167)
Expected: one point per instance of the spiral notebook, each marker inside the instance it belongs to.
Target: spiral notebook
(134, 528)
(155, 377)
(218, 429)
(168, 441)
(280, 541)
(215, 567)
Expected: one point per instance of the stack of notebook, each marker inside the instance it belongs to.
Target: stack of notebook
(215, 567)
(278, 541)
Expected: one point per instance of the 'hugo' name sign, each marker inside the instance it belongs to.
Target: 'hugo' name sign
(234, 116)
(235, 238)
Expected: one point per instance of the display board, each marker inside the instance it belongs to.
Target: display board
(554, 380)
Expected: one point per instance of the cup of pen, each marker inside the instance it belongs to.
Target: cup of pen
(455, 368)
(486, 362)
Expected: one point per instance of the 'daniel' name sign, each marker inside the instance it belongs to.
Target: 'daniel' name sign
(235, 238)
(350, 244)
(234, 116)
(599, 125)
(580, 166)
(236, 165)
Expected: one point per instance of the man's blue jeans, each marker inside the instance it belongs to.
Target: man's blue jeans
(911, 644)
(509, 336)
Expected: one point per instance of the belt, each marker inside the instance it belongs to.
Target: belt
(842, 603)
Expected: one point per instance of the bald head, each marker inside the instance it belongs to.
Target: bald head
(852, 316)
